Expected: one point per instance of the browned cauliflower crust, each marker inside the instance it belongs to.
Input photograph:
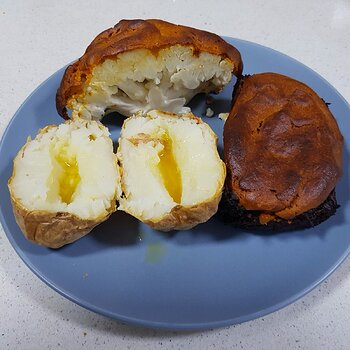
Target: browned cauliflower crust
(141, 65)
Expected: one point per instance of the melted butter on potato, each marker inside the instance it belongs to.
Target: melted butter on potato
(69, 177)
(169, 170)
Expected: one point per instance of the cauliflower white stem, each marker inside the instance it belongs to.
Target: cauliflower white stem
(139, 80)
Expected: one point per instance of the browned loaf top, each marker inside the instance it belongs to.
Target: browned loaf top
(127, 35)
(282, 146)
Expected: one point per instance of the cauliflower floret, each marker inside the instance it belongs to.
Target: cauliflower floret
(139, 80)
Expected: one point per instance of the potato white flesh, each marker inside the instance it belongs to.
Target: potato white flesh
(172, 176)
(139, 80)
(67, 172)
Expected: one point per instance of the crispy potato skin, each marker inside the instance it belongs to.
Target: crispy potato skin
(52, 230)
(127, 35)
(185, 218)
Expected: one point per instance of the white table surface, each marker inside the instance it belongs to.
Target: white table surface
(39, 37)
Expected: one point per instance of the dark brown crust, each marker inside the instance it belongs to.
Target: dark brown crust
(127, 35)
(282, 146)
(232, 212)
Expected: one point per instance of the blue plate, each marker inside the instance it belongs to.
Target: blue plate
(211, 276)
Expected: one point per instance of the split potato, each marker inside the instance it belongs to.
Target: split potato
(64, 182)
(171, 173)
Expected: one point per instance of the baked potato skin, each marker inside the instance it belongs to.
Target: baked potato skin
(128, 35)
(52, 230)
(185, 218)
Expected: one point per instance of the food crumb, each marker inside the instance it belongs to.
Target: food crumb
(209, 112)
(223, 116)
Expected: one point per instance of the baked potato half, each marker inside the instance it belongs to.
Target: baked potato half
(64, 182)
(171, 173)
(141, 65)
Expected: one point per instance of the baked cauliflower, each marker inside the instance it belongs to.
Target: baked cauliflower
(141, 65)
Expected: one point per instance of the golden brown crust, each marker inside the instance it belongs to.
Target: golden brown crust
(127, 35)
(282, 145)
